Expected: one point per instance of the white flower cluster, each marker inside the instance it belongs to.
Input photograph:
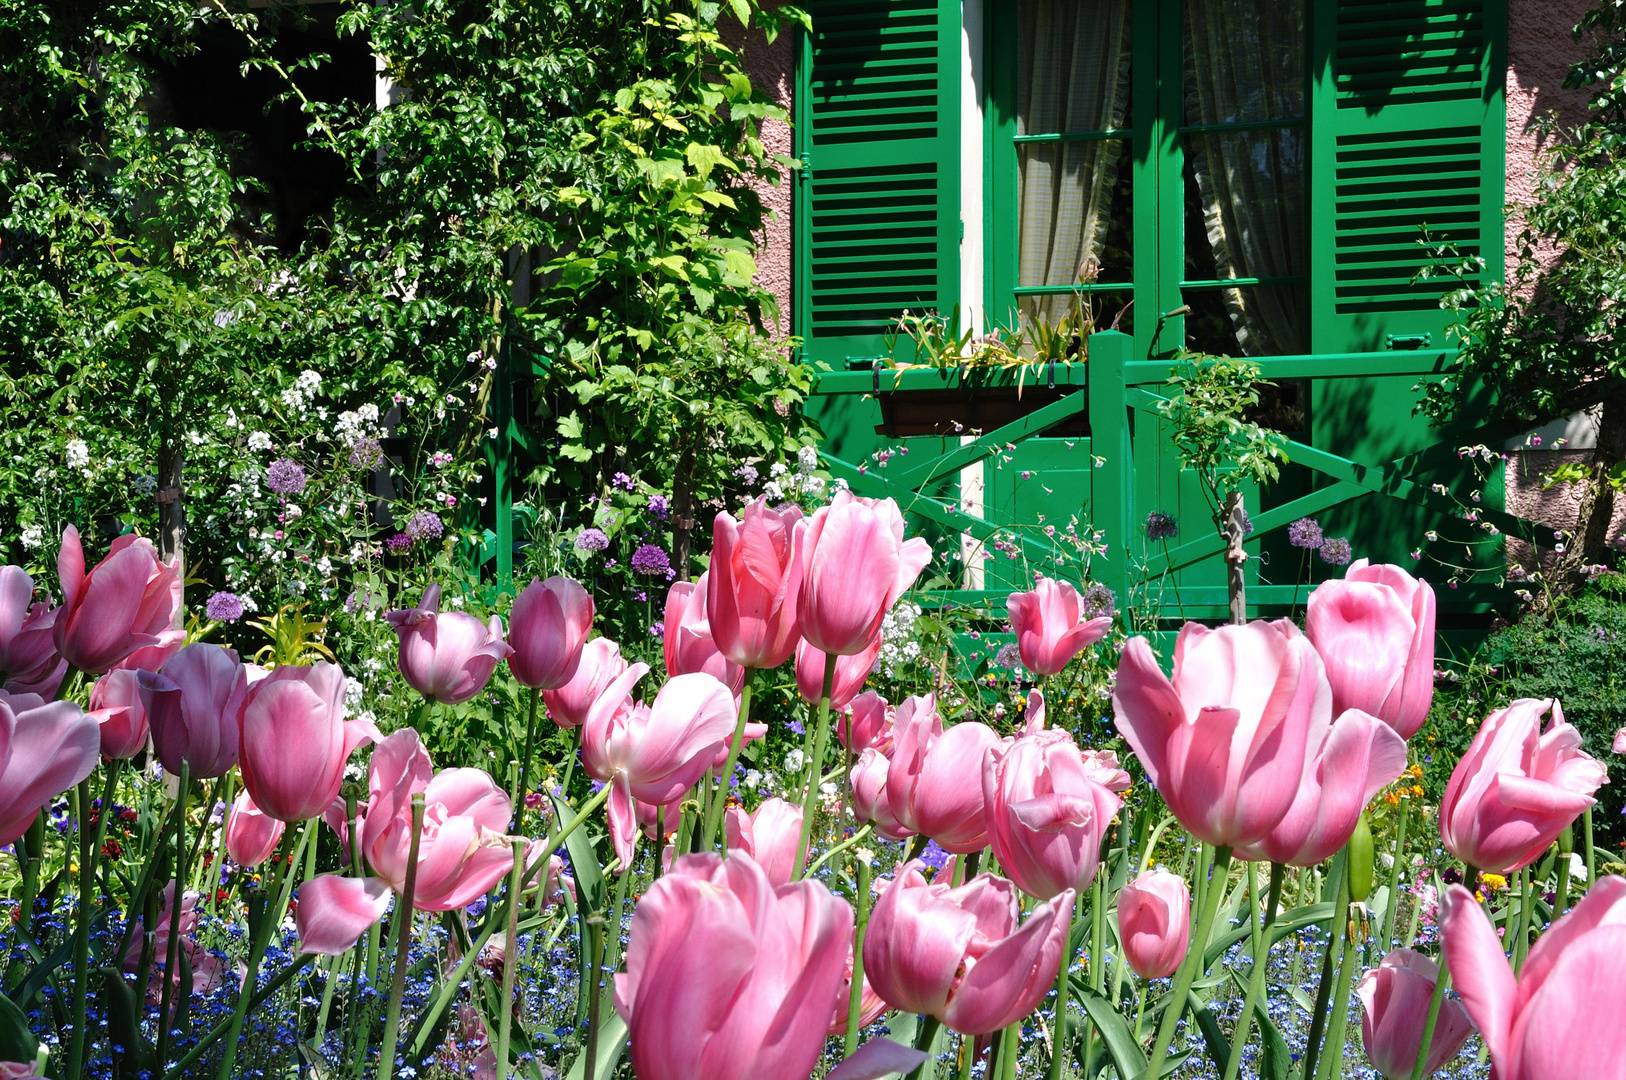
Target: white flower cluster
(356, 424)
(898, 644)
(259, 440)
(300, 395)
(33, 537)
(77, 454)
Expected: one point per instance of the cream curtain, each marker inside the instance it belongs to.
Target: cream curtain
(1072, 75)
(1244, 63)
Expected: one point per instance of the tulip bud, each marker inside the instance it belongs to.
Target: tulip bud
(1360, 862)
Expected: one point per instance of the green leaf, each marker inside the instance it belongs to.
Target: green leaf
(584, 864)
(124, 1024)
(17, 1043)
(1288, 922)
(1115, 1031)
(703, 158)
(612, 1040)
(1276, 1060)
(1219, 1048)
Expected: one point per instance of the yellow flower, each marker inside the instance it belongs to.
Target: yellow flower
(1493, 882)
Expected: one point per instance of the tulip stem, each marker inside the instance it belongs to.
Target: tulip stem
(925, 1035)
(558, 836)
(1386, 938)
(1098, 957)
(714, 812)
(855, 838)
(1334, 951)
(1187, 974)
(1426, 1043)
(172, 948)
(511, 954)
(524, 784)
(403, 945)
(1261, 958)
(1058, 1046)
(227, 795)
(259, 932)
(855, 993)
(81, 931)
(1521, 937)
(821, 736)
(1586, 841)
(1332, 1063)
(595, 938)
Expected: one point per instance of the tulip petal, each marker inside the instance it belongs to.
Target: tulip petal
(44, 751)
(1010, 979)
(876, 1059)
(1145, 708)
(334, 911)
(1572, 1026)
(1479, 969)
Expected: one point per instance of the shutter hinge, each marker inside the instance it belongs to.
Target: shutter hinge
(805, 173)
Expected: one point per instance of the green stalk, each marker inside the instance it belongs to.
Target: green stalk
(1386, 936)
(282, 978)
(1058, 1055)
(525, 765)
(227, 795)
(1434, 1001)
(595, 938)
(1261, 961)
(1098, 955)
(1521, 939)
(511, 959)
(557, 837)
(1335, 951)
(172, 952)
(403, 943)
(820, 738)
(88, 861)
(1187, 974)
(855, 994)
(1586, 840)
(714, 811)
(1332, 1063)
(929, 1025)
(1566, 844)
(260, 931)
(326, 1009)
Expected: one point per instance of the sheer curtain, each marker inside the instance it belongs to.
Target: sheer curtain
(1244, 63)
(1072, 76)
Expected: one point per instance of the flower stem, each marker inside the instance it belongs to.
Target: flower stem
(1335, 946)
(821, 736)
(1058, 1051)
(557, 837)
(1332, 1064)
(403, 943)
(524, 784)
(511, 958)
(1435, 999)
(595, 937)
(855, 994)
(714, 812)
(1261, 961)
(1187, 974)
(172, 951)
(81, 932)
(271, 908)
(1522, 936)
(924, 1036)
(1386, 938)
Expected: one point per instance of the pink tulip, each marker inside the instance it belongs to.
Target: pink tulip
(687, 640)
(462, 850)
(1050, 625)
(729, 978)
(295, 740)
(121, 718)
(199, 724)
(769, 835)
(19, 1070)
(1361, 755)
(1046, 815)
(958, 955)
(658, 822)
(1394, 1000)
(28, 658)
(1375, 633)
(1225, 740)
(1154, 923)
(868, 782)
(1516, 789)
(334, 911)
(1560, 1018)
(934, 785)
(1620, 742)
(855, 564)
(867, 722)
(45, 749)
(851, 671)
(753, 585)
(601, 662)
(124, 603)
(654, 753)
(208, 972)
(251, 836)
(546, 629)
(447, 657)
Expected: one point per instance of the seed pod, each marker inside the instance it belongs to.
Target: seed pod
(1360, 862)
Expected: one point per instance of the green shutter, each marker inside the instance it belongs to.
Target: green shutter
(1407, 130)
(878, 205)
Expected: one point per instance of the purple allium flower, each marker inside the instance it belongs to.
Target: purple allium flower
(1009, 656)
(285, 476)
(658, 506)
(649, 559)
(1161, 526)
(590, 540)
(224, 607)
(1098, 601)
(622, 481)
(1305, 533)
(425, 526)
(1335, 551)
(367, 454)
(399, 544)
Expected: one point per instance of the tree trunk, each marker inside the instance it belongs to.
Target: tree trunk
(171, 504)
(1596, 511)
(1235, 528)
(682, 513)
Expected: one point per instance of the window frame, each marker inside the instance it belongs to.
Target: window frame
(1157, 119)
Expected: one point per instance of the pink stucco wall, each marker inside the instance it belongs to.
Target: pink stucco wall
(772, 69)
(1540, 50)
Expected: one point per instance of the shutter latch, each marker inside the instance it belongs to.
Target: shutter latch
(805, 173)
(1407, 341)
